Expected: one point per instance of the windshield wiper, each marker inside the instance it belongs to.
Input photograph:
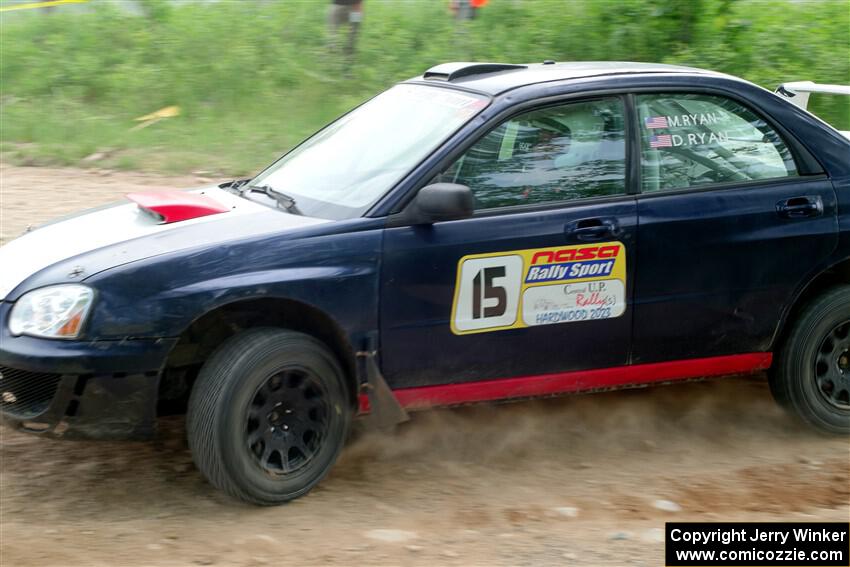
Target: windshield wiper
(282, 199)
(234, 185)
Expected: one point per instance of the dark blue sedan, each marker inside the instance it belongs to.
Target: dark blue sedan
(482, 232)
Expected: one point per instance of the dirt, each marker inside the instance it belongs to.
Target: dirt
(571, 481)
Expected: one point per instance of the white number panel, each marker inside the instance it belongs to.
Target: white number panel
(487, 293)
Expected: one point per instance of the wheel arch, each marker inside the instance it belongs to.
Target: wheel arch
(836, 273)
(208, 331)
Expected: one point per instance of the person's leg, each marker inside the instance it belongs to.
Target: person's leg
(337, 16)
(354, 19)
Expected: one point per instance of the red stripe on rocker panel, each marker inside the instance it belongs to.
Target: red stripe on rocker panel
(563, 382)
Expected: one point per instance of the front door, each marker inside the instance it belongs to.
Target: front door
(538, 281)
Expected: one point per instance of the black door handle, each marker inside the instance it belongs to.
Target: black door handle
(592, 229)
(800, 207)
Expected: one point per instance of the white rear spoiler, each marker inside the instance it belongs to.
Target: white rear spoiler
(798, 93)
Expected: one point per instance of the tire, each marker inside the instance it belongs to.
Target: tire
(268, 415)
(811, 377)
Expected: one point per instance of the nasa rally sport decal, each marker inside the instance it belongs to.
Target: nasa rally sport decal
(539, 286)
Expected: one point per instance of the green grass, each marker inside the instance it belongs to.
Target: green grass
(253, 77)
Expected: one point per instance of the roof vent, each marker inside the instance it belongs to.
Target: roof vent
(454, 71)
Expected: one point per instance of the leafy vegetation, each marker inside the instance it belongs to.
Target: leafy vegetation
(252, 77)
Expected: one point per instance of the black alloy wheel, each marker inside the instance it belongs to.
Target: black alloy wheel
(832, 366)
(287, 421)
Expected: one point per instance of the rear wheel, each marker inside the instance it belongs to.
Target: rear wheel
(812, 373)
(268, 415)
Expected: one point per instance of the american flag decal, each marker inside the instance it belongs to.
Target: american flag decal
(661, 141)
(655, 121)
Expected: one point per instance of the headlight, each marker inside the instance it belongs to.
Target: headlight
(55, 312)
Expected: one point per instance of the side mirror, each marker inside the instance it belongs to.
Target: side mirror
(436, 203)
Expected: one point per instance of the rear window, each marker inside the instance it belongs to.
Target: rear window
(692, 139)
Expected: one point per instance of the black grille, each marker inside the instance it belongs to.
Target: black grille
(24, 395)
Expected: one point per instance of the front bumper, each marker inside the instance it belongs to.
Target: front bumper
(80, 406)
(92, 389)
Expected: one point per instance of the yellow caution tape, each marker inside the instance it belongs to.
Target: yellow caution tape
(32, 5)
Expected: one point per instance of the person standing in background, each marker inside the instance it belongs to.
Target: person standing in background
(345, 13)
(466, 9)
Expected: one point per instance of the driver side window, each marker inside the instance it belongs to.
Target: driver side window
(559, 153)
(691, 139)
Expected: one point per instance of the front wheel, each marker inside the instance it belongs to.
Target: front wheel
(812, 373)
(268, 415)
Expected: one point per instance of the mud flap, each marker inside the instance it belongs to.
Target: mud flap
(384, 409)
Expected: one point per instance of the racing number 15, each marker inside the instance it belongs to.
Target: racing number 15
(487, 293)
(490, 291)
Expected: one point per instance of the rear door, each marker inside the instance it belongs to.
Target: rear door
(538, 280)
(729, 228)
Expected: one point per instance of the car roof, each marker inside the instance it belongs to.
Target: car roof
(496, 78)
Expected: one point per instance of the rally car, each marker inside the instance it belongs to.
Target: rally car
(481, 232)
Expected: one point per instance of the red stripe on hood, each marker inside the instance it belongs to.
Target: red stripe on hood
(176, 206)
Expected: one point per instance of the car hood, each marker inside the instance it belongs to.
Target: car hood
(154, 223)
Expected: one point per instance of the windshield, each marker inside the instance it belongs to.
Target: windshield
(344, 168)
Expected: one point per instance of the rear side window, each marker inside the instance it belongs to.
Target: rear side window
(550, 155)
(689, 140)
